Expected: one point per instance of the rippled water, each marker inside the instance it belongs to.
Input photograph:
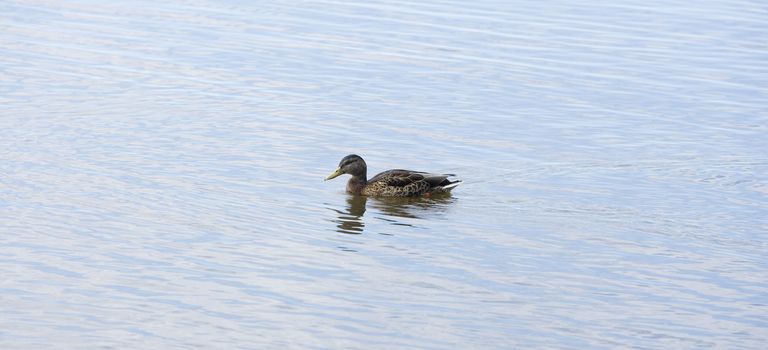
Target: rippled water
(161, 169)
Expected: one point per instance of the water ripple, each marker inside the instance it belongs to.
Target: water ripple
(161, 172)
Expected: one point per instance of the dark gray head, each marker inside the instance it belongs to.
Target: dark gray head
(353, 165)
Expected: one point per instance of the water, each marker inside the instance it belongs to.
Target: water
(161, 171)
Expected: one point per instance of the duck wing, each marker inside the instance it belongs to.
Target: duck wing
(409, 182)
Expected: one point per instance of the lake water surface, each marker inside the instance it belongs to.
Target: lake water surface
(161, 168)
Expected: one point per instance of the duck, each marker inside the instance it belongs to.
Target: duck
(391, 183)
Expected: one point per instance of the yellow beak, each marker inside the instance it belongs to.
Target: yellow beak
(334, 174)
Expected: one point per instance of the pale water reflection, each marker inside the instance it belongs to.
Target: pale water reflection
(161, 170)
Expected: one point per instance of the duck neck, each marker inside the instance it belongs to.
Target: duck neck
(356, 184)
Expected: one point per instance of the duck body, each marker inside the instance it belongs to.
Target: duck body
(391, 183)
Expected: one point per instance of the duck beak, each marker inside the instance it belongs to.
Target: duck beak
(334, 174)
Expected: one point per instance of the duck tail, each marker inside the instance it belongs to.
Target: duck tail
(451, 185)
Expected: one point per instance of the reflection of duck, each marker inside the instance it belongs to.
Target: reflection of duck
(391, 183)
(396, 210)
(409, 207)
(351, 221)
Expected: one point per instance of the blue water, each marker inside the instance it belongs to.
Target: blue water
(161, 170)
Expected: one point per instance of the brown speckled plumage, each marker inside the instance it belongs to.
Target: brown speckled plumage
(391, 183)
